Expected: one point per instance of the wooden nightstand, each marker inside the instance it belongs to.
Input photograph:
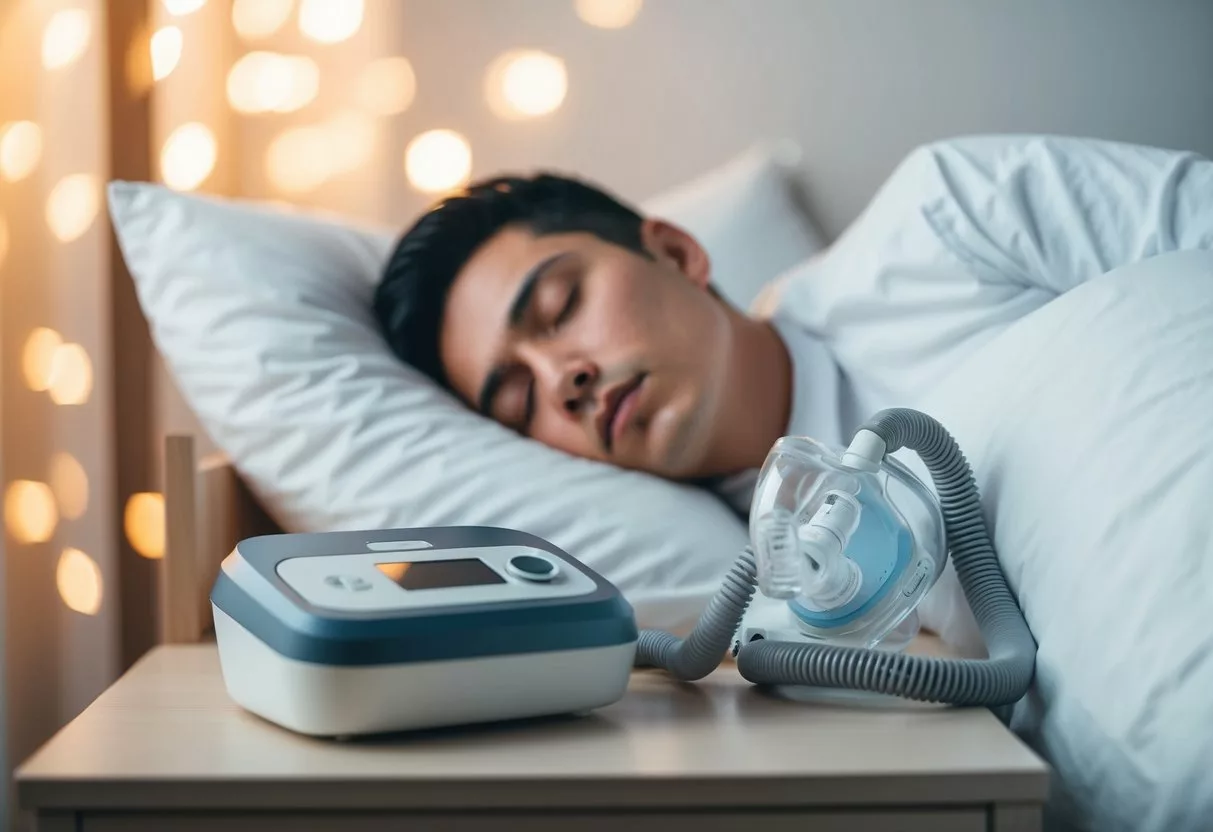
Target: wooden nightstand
(165, 748)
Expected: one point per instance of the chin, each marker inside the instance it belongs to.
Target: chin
(675, 440)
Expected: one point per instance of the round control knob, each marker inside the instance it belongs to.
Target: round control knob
(531, 568)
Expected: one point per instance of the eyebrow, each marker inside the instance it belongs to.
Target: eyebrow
(522, 299)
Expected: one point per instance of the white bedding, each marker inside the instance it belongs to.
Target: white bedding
(1088, 427)
(969, 235)
(1018, 289)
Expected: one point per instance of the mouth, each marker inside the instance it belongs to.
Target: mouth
(619, 404)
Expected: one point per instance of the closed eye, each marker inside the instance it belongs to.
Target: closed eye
(530, 406)
(569, 305)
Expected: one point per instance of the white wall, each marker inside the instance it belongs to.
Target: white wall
(857, 82)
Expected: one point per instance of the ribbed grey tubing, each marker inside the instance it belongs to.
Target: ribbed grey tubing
(701, 652)
(1001, 679)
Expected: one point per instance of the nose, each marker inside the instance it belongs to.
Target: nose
(568, 381)
(574, 383)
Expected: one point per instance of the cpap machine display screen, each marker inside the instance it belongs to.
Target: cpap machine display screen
(441, 574)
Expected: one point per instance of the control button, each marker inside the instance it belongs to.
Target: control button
(531, 568)
(398, 545)
(351, 583)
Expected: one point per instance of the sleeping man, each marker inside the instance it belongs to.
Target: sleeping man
(557, 310)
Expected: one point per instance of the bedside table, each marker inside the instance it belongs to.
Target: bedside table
(164, 748)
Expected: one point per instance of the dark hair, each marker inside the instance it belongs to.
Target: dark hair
(411, 296)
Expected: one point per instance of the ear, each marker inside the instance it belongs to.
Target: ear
(669, 244)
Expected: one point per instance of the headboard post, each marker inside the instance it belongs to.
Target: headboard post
(208, 509)
(180, 613)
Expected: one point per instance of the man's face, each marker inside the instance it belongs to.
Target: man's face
(591, 348)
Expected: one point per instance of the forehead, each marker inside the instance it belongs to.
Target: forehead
(495, 271)
(474, 318)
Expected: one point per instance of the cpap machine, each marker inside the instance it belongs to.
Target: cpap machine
(348, 633)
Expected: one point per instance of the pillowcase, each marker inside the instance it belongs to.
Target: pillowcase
(1087, 427)
(749, 199)
(264, 321)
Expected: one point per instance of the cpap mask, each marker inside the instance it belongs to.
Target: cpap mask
(851, 543)
(844, 546)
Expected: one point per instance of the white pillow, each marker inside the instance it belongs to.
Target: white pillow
(1087, 424)
(747, 216)
(263, 319)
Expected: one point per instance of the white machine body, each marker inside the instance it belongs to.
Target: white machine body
(349, 633)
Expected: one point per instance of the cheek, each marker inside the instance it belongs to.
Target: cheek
(556, 431)
(620, 315)
(462, 355)
(664, 326)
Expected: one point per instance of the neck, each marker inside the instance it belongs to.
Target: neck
(759, 405)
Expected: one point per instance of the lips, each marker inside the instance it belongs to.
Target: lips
(618, 405)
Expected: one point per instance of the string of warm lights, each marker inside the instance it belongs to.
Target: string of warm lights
(520, 84)
(33, 509)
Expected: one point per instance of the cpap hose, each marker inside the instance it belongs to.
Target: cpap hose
(700, 652)
(1001, 679)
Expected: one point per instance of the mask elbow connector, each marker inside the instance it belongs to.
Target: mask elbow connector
(832, 579)
(865, 452)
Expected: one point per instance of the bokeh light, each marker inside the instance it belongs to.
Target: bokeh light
(29, 511)
(69, 482)
(78, 579)
(525, 84)
(20, 149)
(166, 47)
(437, 161)
(65, 38)
(351, 141)
(37, 356)
(188, 156)
(330, 21)
(71, 375)
(267, 82)
(296, 161)
(180, 8)
(255, 19)
(608, 14)
(386, 87)
(72, 206)
(302, 159)
(143, 521)
(3, 240)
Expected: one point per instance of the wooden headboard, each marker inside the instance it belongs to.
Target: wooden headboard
(207, 510)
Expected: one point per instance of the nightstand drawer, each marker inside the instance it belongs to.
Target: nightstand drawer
(843, 820)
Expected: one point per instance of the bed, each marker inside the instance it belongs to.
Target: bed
(1084, 416)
